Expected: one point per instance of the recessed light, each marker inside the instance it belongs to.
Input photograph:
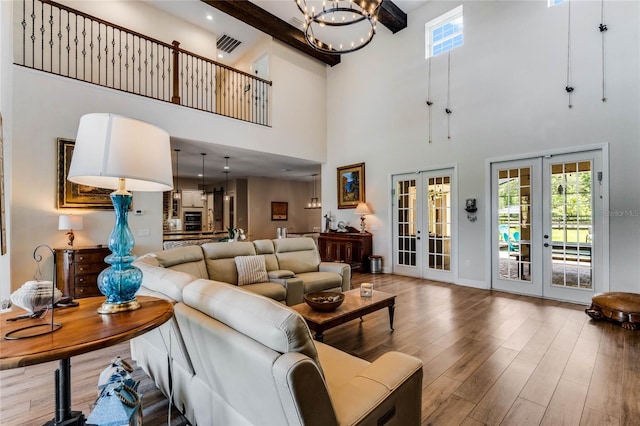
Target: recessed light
(209, 18)
(220, 55)
(199, 174)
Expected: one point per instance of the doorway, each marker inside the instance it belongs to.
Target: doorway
(547, 226)
(424, 225)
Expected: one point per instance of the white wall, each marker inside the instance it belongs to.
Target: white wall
(507, 97)
(5, 108)
(49, 107)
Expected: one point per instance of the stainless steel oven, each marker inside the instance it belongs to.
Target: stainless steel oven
(192, 221)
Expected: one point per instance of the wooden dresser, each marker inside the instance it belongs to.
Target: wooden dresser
(348, 247)
(77, 270)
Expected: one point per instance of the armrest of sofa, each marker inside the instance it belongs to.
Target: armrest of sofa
(339, 268)
(295, 289)
(389, 388)
(280, 273)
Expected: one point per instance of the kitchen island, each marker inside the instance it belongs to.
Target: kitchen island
(172, 239)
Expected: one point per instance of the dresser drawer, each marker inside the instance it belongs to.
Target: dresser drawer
(80, 258)
(90, 268)
(86, 291)
(85, 280)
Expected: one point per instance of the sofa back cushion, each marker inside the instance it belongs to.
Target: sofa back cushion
(262, 319)
(220, 259)
(189, 259)
(297, 254)
(265, 248)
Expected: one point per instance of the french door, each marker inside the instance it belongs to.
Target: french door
(424, 225)
(547, 226)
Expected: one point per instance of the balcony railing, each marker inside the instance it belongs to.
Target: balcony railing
(54, 38)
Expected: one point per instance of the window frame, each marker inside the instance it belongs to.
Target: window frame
(440, 22)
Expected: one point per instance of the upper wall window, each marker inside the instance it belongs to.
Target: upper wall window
(444, 33)
(554, 2)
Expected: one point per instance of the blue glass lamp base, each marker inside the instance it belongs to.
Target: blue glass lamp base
(121, 281)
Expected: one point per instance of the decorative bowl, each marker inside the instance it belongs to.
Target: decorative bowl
(35, 295)
(324, 301)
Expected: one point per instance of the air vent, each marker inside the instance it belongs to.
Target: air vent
(227, 43)
(296, 22)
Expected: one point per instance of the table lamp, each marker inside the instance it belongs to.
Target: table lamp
(362, 209)
(69, 222)
(116, 152)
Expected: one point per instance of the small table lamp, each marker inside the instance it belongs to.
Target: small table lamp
(362, 209)
(69, 222)
(121, 153)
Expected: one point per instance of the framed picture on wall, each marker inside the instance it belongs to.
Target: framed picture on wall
(350, 186)
(279, 210)
(74, 196)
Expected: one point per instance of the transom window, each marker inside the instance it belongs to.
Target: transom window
(445, 32)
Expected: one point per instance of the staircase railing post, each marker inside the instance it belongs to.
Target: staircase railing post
(176, 73)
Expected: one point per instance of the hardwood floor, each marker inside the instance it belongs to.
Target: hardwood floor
(490, 358)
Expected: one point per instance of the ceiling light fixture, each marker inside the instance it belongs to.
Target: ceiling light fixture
(177, 194)
(203, 197)
(339, 26)
(314, 203)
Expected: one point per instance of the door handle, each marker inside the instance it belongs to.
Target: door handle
(546, 244)
(417, 238)
(546, 236)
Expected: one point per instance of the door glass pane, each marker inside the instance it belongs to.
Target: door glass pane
(514, 224)
(406, 202)
(571, 226)
(439, 218)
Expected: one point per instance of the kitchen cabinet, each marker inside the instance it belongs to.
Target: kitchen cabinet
(351, 248)
(192, 199)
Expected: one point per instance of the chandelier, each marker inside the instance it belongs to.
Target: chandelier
(314, 202)
(339, 26)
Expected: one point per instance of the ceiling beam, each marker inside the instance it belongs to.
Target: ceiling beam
(264, 21)
(392, 17)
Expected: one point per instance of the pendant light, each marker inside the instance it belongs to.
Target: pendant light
(314, 203)
(177, 194)
(226, 172)
(203, 197)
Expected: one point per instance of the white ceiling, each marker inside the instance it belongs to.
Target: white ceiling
(243, 163)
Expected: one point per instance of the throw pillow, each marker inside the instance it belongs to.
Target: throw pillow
(251, 269)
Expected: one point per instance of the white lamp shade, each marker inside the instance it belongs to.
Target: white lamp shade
(68, 221)
(109, 147)
(362, 208)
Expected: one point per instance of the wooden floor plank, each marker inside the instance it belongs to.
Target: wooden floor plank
(596, 418)
(543, 381)
(566, 405)
(524, 413)
(605, 388)
(497, 402)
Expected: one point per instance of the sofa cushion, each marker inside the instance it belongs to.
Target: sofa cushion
(162, 280)
(271, 290)
(320, 281)
(297, 254)
(264, 320)
(251, 269)
(189, 259)
(219, 258)
(265, 248)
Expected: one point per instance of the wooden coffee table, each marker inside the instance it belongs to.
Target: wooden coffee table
(353, 307)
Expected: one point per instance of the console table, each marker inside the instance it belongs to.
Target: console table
(353, 248)
(83, 330)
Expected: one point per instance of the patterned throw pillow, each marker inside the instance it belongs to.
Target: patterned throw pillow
(251, 269)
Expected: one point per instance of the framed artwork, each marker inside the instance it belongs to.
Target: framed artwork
(279, 210)
(72, 195)
(350, 186)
